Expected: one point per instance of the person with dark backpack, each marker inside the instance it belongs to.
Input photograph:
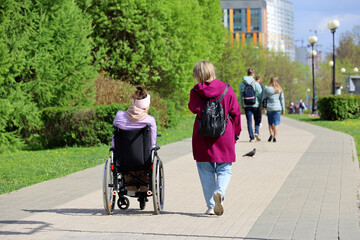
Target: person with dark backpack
(250, 98)
(216, 129)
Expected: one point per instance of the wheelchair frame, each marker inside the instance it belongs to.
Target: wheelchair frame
(114, 183)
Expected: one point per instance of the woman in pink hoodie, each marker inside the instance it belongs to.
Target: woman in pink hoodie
(214, 155)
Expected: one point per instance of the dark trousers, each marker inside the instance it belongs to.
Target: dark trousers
(250, 112)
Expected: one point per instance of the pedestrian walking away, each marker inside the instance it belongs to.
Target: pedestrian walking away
(251, 104)
(301, 106)
(214, 155)
(275, 106)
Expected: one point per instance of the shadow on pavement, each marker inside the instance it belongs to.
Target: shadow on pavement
(101, 212)
(31, 230)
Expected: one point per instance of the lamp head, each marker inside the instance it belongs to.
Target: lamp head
(356, 70)
(343, 70)
(331, 63)
(312, 39)
(333, 24)
(313, 53)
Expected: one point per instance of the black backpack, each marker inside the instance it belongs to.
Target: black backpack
(213, 122)
(249, 94)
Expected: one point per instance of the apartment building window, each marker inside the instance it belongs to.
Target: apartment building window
(237, 20)
(255, 20)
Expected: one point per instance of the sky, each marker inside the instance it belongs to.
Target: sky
(313, 15)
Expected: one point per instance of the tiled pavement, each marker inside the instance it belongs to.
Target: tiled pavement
(305, 186)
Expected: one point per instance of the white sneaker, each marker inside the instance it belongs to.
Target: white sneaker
(210, 211)
(257, 137)
(219, 208)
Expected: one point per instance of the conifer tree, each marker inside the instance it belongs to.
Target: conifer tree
(45, 60)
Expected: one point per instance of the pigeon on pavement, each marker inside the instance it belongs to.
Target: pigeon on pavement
(250, 154)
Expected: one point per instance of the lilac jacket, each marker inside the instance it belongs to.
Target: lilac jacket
(222, 149)
(122, 122)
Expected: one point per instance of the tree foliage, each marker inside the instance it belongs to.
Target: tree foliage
(45, 57)
(155, 43)
(236, 60)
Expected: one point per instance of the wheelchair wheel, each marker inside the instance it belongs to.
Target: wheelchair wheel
(158, 185)
(108, 187)
(123, 203)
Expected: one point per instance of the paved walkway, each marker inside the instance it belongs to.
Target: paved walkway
(305, 186)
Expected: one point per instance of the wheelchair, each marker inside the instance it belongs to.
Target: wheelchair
(132, 152)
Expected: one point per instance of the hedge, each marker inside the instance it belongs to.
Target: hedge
(339, 107)
(81, 126)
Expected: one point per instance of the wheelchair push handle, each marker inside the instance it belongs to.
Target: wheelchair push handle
(159, 134)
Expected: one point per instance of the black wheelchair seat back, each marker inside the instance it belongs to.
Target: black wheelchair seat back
(132, 150)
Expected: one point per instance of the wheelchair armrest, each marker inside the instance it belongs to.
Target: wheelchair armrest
(156, 148)
(111, 149)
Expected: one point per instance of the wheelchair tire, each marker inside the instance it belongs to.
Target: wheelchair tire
(108, 187)
(123, 203)
(158, 185)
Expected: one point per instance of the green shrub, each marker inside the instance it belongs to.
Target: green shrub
(78, 126)
(339, 107)
(82, 126)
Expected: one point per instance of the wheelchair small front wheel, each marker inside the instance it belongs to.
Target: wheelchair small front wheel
(123, 203)
(108, 188)
(158, 185)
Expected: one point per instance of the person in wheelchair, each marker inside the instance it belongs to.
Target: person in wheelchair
(135, 117)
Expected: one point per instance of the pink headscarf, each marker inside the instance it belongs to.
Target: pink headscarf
(138, 111)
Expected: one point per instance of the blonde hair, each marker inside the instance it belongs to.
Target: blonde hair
(204, 71)
(274, 82)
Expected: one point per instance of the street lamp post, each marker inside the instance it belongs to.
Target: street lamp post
(312, 40)
(307, 97)
(333, 25)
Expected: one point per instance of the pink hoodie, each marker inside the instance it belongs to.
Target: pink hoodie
(222, 149)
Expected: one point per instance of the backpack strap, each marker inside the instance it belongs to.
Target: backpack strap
(224, 93)
(252, 83)
(221, 97)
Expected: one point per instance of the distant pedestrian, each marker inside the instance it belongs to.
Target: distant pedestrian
(214, 155)
(275, 106)
(292, 108)
(301, 106)
(251, 103)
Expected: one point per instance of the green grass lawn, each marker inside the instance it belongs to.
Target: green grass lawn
(349, 126)
(25, 168)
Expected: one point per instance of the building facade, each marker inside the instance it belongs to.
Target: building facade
(269, 23)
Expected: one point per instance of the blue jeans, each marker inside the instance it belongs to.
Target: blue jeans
(249, 112)
(213, 177)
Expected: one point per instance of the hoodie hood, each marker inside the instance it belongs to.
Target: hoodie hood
(210, 89)
(248, 79)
